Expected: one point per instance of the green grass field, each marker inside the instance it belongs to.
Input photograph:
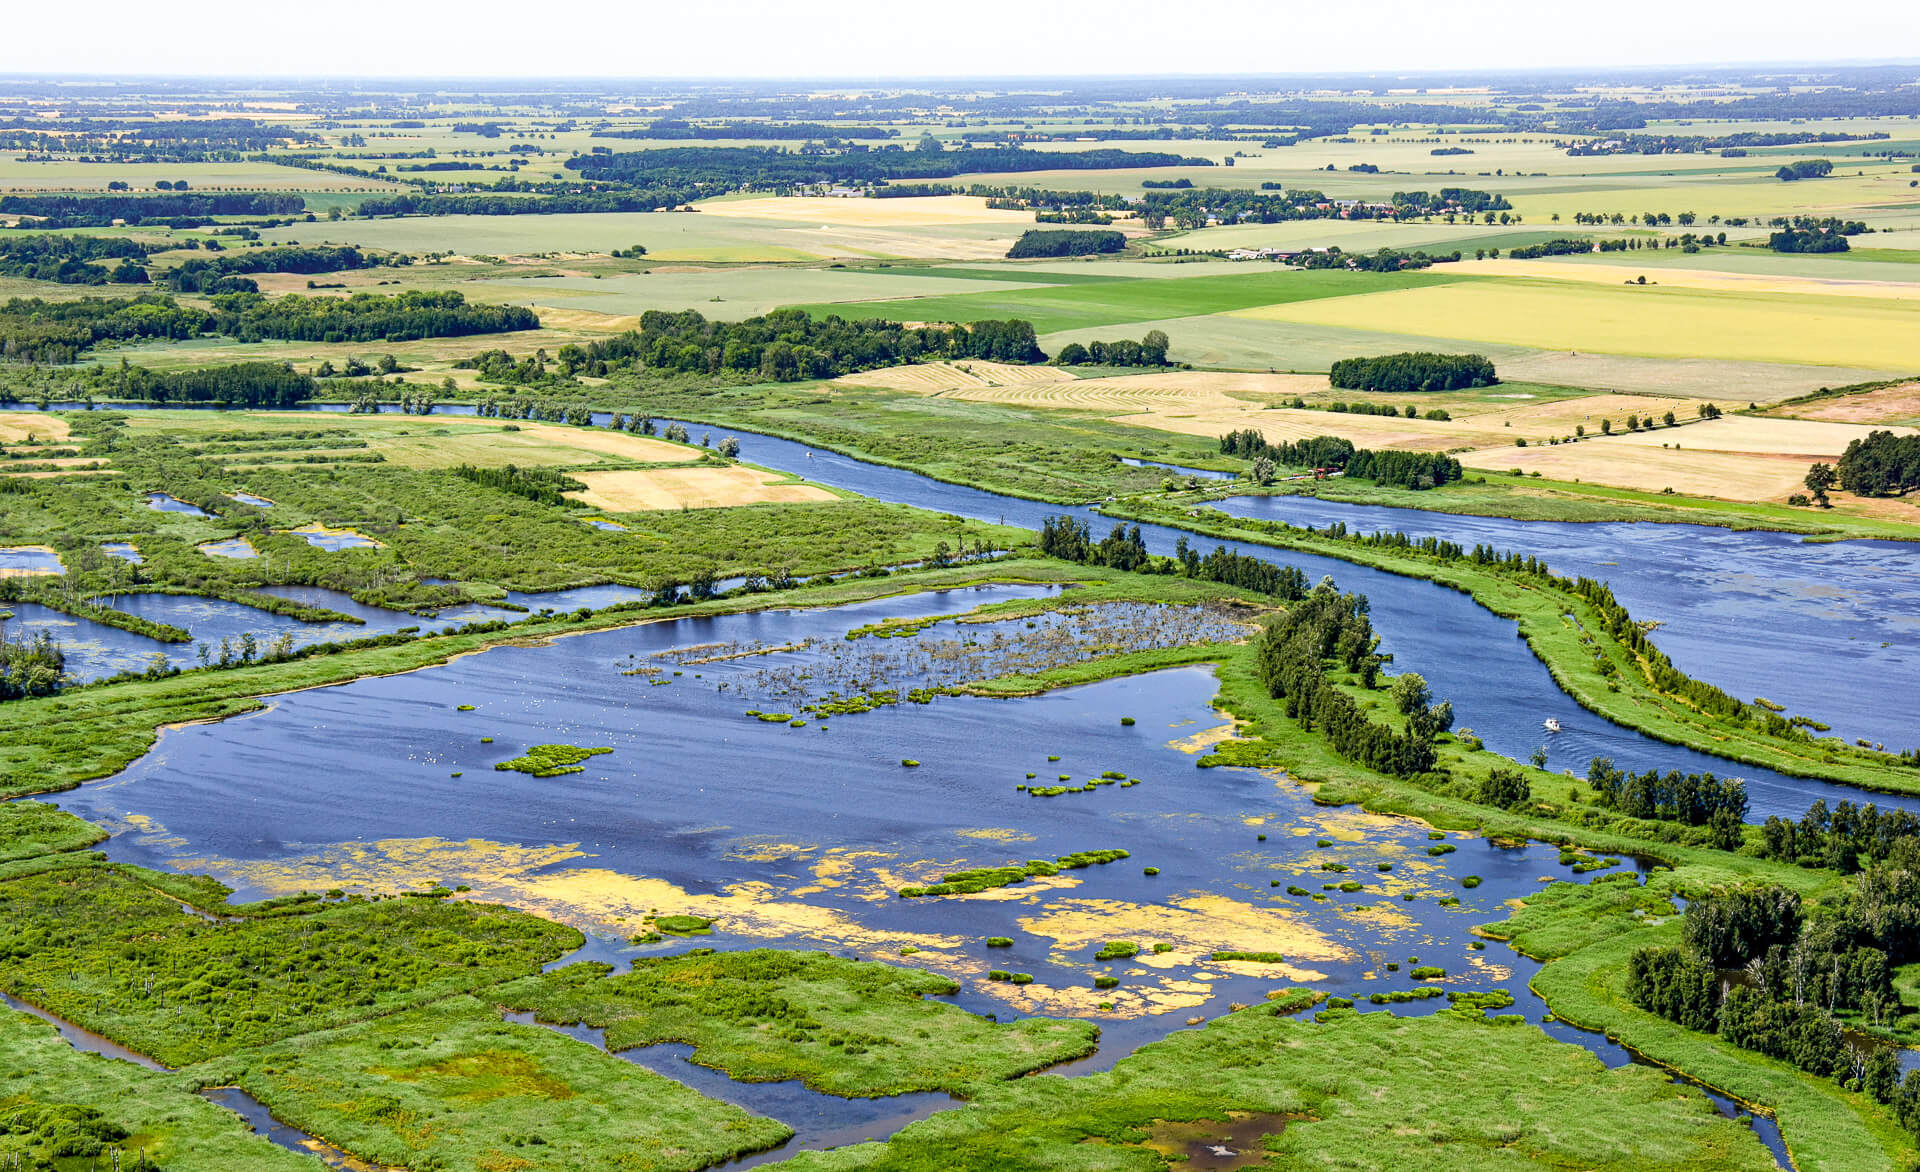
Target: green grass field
(1121, 303)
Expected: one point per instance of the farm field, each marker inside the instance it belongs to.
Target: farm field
(1059, 308)
(648, 490)
(1894, 285)
(727, 294)
(1898, 404)
(1645, 321)
(720, 236)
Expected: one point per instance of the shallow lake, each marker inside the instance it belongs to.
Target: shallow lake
(801, 836)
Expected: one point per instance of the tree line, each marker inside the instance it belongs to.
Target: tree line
(1846, 839)
(1071, 539)
(1414, 371)
(1691, 799)
(772, 167)
(1150, 350)
(1292, 657)
(1416, 470)
(790, 344)
(364, 317)
(227, 273)
(99, 211)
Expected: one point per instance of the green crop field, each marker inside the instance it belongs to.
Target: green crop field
(1103, 304)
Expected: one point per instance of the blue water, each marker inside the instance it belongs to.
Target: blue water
(167, 504)
(1758, 613)
(31, 561)
(247, 498)
(122, 550)
(238, 548)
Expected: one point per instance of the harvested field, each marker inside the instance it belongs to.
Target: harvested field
(1899, 404)
(1722, 380)
(963, 380)
(1619, 274)
(870, 213)
(1728, 475)
(17, 426)
(437, 441)
(692, 488)
(1802, 439)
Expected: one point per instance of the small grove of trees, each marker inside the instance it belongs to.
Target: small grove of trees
(1804, 169)
(1769, 975)
(1150, 350)
(1416, 470)
(31, 667)
(1882, 464)
(542, 485)
(1811, 240)
(1037, 242)
(1692, 799)
(1846, 838)
(1420, 371)
(1292, 657)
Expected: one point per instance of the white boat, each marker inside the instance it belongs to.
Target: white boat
(1552, 725)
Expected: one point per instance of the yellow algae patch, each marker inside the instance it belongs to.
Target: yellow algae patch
(1489, 969)
(1196, 926)
(838, 867)
(769, 850)
(1206, 739)
(390, 864)
(597, 897)
(1380, 916)
(996, 834)
(1127, 1000)
(705, 487)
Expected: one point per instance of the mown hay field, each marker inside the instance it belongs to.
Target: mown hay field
(1649, 321)
(1896, 404)
(706, 487)
(434, 441)
(972, 379)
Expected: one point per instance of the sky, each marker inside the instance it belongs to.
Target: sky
(899, 38)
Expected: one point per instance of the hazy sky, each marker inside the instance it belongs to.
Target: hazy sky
(899, 38)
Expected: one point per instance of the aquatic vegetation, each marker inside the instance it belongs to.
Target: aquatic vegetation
(983, 878)
(1470, 881)
(1150, 871)
(1127, 721)
(1106, 982)
(862, 674)
(452, 1086)
(1428, 972)
(1402, 996)
(463, 708)
(1255, 957)
(551, 760)
(112, 949)
(1117, 950)
(682, 925)
(1368, 1081)
(909, 762)
(999, 942)
(842, 1026)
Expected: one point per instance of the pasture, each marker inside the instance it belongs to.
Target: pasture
(1896, 404)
